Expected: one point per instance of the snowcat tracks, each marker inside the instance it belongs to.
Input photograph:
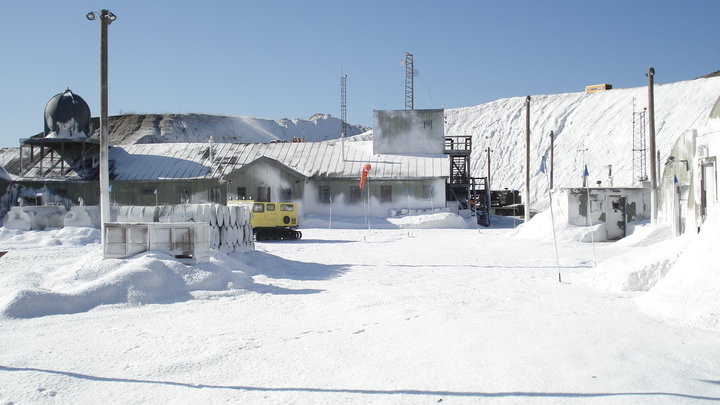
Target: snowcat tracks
(277, 234)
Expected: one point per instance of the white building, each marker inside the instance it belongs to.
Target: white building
(688, 186)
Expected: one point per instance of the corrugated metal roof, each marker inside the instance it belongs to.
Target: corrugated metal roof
(312, 159)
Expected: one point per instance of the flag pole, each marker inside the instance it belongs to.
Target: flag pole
(367, 207)
(552, 218)
(407, 190)
(586, 174)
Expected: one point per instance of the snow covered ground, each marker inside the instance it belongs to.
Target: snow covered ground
(427, 309)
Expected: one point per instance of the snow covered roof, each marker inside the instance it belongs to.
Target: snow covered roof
(309, 159)
(4, 176)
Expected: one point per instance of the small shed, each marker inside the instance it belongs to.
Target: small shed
(615, 207)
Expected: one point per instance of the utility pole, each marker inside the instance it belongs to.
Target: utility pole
(106, 18)
(527, 159)
(552, 157)
(488, 191)
(651, 145)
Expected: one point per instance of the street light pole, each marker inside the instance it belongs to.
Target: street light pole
(526, 197)
(488, 191)
(552, 157)
(651, 146)
(106, 18)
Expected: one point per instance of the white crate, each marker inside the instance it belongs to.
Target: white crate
(189, 241)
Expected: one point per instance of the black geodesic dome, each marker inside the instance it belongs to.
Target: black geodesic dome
(67, 115)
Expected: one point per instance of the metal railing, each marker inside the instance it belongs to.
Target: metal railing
(458, 143)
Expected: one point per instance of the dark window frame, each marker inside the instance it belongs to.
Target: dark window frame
(324, 196)
(385, 193)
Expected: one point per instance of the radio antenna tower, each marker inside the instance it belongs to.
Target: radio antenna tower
(409, 76)
(639, 146)
(343, 104)
(343, 110)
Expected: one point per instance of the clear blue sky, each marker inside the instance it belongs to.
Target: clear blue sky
(276, 59)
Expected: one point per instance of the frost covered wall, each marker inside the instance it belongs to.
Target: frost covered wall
(408, 131)
(688, 185)
(385, 196)
(599, 122)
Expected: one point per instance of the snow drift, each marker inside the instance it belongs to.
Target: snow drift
(146, 278)
(151, 277)
(690, 292)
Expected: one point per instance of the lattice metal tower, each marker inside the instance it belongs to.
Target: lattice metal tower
(639, 146)
(409, 77)
(343, 105)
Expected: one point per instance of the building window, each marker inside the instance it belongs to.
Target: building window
(148, 191)
(427, 192)
(427, 124)
(354, 194)
(241, 193)
(286, 194)
(185, 196)
(215, 194)
(324, 194)
(385, 193)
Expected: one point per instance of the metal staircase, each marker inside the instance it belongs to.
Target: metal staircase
(468, 191)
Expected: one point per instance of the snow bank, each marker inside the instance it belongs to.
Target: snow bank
(643, 233)
(439, 220)
(680, 274)
(444, 220)
(638, 270)
(89, 281)
(541, 227)
(690, 292)
(69, 236)
(151, 277)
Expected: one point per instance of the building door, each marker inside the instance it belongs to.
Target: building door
(263, 194)
(708, 188)
(615, 223)
(681, 199)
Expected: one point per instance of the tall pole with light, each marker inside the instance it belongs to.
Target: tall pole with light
(651, 145)
(526, 197)
(106, 18)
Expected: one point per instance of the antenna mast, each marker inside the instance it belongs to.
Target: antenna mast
(343, 104)
(409, 76)
(639, 146)
(343, 110)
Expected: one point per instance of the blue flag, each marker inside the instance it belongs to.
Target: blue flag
(675, 179)
(542, 164)
(155, 191)
(585, 172)
(110, 188)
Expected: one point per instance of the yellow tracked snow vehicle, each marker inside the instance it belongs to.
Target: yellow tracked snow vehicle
(272, 220)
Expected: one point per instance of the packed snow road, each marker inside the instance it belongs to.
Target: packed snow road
(381, 316)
